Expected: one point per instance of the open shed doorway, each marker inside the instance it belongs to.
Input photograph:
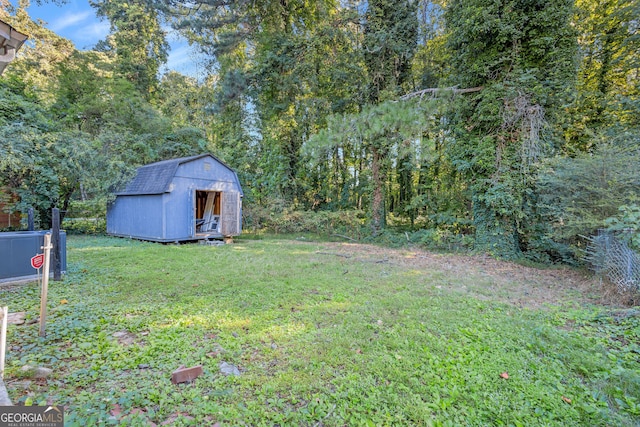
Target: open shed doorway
(208, 211)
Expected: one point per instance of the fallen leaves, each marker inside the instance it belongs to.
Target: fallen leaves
(505, 375)
(566, 400)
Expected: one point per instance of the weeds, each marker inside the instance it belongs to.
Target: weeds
(356, 339)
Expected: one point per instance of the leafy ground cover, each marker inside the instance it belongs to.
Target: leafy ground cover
(323, 334)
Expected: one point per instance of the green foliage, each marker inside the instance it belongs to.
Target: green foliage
(19, 106)
(182, 99)
(578, 194)
(431, 61)
(137, 41)
(92, 208)
(85, 226)
(512, 40)
(355, 339)
(302, 100)
(387, 133)
(389, 44)
(523, 55)
(43, 165)
(496, 233)
(435, 239)
(43, 181)
(84, 138)
(271, 220)
(609, 95)
(626, 225)
(38, 60)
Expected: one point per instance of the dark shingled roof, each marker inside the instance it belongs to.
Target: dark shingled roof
(155, 178)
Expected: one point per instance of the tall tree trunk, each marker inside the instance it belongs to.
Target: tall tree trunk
(377, 202)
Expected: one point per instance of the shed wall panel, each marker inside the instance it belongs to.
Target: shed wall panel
(231, 213)
(136, 216)
(207, 169)
(179, 213)
(181, 183)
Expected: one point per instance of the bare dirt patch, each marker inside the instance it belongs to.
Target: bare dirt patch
(485, 277)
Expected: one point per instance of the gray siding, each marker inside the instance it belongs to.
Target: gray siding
(179, 224)
(207, 169)
(169, 214)
(137, 216)
(231, 214)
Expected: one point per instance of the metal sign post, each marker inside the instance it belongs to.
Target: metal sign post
(45, 283)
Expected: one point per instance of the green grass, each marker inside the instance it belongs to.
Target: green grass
(324, 334)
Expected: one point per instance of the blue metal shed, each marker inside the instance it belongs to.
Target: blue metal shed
(190, 198)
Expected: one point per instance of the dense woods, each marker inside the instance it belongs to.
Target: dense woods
(511, 127)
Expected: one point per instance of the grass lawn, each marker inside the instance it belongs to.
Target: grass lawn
(323, 334)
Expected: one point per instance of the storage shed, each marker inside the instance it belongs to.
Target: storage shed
(190, 198)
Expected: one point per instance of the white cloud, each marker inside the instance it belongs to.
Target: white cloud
(185, 59)
(179, 57)
(82, 27)
(96, 30)
(70, 19)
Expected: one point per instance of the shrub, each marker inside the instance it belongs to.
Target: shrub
(626, 225)
(91, 226)
(350, 223)
(442, 239)
(95, 208)
(577, 194)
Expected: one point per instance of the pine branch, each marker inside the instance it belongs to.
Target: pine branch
(435, 90)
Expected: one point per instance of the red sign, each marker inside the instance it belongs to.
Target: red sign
(37, 261)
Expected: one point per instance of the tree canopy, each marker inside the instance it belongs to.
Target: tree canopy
(473, 118)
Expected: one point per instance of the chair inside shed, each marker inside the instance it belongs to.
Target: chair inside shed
(207, 211)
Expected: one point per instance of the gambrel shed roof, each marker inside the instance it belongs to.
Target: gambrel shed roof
(168, 201)
(156, 178)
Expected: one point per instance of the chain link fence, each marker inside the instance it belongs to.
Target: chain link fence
(610, 256)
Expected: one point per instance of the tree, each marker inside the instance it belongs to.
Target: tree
(137, 40)
(37, 62)
(184, 100)
(393, 127)
(577, 194)
(608, 89)
(522, 53)
(274, 62)
(390, 39)
(431, 63)
(45, 169)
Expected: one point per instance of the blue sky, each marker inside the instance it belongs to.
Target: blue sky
(76, 20)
